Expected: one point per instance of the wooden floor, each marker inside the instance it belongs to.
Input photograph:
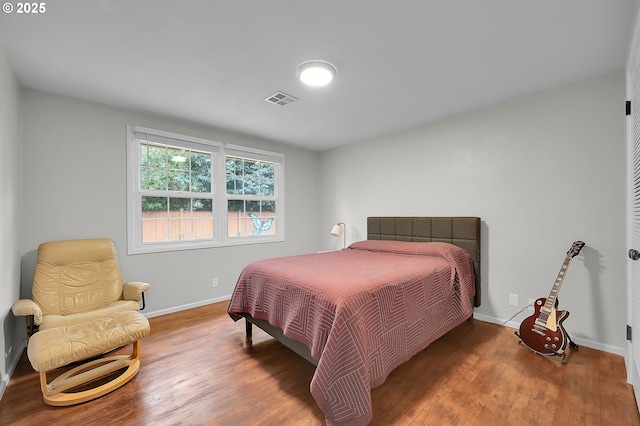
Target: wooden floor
(197, 369)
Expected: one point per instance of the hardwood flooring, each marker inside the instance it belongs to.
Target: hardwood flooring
(197, 369)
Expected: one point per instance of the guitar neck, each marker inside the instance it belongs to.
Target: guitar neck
(551, 300)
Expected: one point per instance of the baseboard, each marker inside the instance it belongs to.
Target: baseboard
(481, 317)
(185, 307)
(12, 367)
(579, 340)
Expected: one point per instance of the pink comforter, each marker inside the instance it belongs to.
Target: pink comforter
(361, 311)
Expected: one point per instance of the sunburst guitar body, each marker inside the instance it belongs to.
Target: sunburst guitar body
(543, 331)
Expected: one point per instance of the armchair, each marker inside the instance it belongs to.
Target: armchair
(81, 309)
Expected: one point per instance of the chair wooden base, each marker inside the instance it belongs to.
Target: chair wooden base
(54, 393)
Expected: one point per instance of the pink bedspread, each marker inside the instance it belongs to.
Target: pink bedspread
(362, 311)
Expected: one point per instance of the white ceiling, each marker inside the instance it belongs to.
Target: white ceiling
(400, 63)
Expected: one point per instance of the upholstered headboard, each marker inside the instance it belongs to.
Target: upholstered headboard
(461, 231)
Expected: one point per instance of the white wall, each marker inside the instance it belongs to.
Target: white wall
(9, 220)
(541, 171)
(75, 187)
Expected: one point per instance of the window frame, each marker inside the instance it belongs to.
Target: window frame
(253, 154)
(219, 152)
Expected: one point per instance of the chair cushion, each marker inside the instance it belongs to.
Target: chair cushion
(76, 276)
(54, 321)
(56, 347)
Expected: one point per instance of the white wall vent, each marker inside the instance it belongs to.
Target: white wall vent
(280, 98)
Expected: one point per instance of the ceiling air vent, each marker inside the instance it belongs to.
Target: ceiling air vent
(280, 98)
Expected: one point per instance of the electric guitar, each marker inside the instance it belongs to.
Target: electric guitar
(543, 331)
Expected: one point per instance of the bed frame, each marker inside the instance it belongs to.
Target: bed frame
(461, 231)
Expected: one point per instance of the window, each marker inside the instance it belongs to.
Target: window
(188, 193)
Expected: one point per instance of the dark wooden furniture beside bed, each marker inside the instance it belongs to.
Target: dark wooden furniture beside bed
(391, 292)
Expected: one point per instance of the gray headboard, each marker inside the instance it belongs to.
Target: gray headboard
(461, 231)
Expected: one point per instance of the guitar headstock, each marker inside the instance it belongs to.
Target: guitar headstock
(575, 248)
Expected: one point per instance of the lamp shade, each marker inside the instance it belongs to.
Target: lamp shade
(337, 230)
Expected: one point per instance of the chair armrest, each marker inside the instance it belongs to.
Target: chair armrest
(133, 290)
(26, 307)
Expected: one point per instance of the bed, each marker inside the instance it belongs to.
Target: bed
(360, 312)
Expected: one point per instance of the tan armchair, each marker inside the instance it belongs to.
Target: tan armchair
(81, 309)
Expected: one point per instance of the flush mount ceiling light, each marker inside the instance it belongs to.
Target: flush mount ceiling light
(316, 73)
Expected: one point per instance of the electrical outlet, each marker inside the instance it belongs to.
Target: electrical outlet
(214, 282)
(513, 300)
(530, 304)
